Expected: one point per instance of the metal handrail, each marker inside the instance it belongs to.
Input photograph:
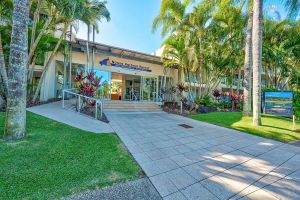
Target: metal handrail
(98, 101)
(159, 97)
(133, 94)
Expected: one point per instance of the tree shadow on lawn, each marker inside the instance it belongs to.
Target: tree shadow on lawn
(276, 127)
(282, 137)
(235, 120)
(272, 117)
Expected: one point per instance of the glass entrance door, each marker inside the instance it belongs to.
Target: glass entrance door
(132, 88)
(149, 88)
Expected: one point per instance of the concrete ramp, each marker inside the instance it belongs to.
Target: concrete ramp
(56, 112)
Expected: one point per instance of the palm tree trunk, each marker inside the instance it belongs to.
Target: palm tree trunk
(180, 75)
(93, 50)
(37, 91)
(31, 70)
(2, 93)
(15, 125)
(70, 57)
(35, 21)
(239, 82)
(3, 72)
(257, 60)
(247, 108)
(30, 88)
(231, 88)
(88, 49)
(65, 65)
(37, 40)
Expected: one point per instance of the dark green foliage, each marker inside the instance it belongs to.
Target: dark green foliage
(224, 105)
(269, 90)
(204, 101)
(297, 104)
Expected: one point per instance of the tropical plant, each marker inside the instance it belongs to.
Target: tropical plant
(172, 16)
(281, 60)
(88, 11)
(296, 104)
(204, 100)
(217, 94)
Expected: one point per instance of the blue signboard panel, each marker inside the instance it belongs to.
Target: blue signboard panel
(113, 63)
(278, 103)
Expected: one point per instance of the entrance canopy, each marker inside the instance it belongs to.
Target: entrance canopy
(116, 51)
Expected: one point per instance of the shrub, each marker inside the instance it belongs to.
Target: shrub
(269, 90)
(297, 104)
(87, 84)
(204, 101)
(224, 105)
(217, 94)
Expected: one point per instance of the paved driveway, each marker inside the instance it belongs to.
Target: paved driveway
(207, 161)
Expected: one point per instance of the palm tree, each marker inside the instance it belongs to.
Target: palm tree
(280, 46)
(94, 12)
(87, 11)
(15, 126)
(175, 55)
(257, 59)
(293, 7)
(171, 16)
(247, 107)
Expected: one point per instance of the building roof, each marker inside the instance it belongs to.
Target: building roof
(80, 45)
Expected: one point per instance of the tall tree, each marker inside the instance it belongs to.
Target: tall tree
(88, 11)
(293, 7)
(175, 48)
(171, 16)
(247, 107)
(257, 59)
(15, 126)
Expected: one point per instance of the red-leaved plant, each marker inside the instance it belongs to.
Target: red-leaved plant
(217, 94)
(87, 84)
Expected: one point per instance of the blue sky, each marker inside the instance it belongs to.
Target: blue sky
(131, 23)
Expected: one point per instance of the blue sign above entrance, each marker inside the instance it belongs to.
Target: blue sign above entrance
(110, 62)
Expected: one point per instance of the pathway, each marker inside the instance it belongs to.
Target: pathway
(188, 159)
(54, 111)
(207, 161)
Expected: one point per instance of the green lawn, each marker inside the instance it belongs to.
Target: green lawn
(277, 128)
(57, 160)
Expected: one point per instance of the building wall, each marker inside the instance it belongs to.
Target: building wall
(48, 89)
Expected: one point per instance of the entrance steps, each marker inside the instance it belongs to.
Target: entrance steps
(130, 106)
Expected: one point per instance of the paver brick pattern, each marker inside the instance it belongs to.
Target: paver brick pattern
(207, 161)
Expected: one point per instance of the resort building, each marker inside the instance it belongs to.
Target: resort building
(125, 74)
